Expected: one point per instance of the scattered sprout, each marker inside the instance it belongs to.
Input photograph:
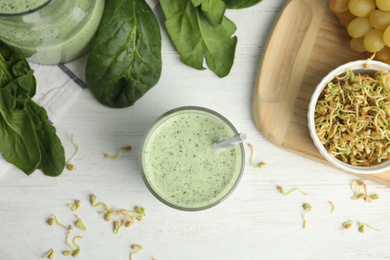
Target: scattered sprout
(93, 200)
(118, 225)
(127, 148)
(307, 209)
(374, 196)
(65, 253)
(347, 224)
(137, 249)
(120, 218)
(333, 207)
(49, 254)
(107, 216)
(50, 221)
(358, 195)
(75, 251)
(69, 166)
(93, 204)
(80, 224)
(362, 225)
(260, 165)
(74, 206)
(55, 218)
(129, 223)
(280, 188)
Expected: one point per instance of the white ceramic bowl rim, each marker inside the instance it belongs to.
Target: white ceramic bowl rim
(356, 66)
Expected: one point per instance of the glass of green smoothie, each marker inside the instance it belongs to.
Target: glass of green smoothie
(178, 164)
(50, 31)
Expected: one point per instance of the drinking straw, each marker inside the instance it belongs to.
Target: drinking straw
(238, 138)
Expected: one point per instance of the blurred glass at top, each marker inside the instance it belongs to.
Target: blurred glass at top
(50, 31)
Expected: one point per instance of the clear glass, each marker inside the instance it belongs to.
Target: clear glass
(238, 160)
(53, 31)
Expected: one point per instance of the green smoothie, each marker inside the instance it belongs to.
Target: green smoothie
(180, 165)
(21, 6)
(59, 32)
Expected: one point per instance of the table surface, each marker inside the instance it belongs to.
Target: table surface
(255, 222)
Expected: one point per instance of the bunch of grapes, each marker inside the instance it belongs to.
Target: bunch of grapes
(368, 23)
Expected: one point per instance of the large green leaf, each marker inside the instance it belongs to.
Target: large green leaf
(52, 152)
(18, 142)
(27, 140)
(13, 66)
(195, 37)
(125, 58)
(214, 10)
(240, 4)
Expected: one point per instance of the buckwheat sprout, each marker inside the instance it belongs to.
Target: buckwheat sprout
(118, 225)
(49, 254)
(108, 210)
(74, 206)
(347, 224)
(366, 67)
(55, 218)
(260, 165)
(127, 148)
(120, 217)
(74, 241)
(362, 225)
(374, 196)
(357, 194)
(280, 188)
(137, 249)
(69, 166)
(333, 206)
(80, 224)
(75, 251)
(365, 195)
(307, 209)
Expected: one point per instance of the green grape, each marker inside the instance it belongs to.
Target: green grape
(361, 8)
(384, 5)
(358, 27)
(357, 44)
(386, 36)
(383, 54)
(338, 6)
(373, 40)
(346, 17)
(380, 19)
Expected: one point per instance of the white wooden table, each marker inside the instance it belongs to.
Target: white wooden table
(255, 222)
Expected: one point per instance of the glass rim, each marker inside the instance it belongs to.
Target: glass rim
(26, 12)
(236, 178)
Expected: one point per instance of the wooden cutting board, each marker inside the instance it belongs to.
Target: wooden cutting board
(307, 42)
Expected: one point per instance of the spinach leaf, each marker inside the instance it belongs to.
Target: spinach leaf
(214, 10)
(52, 152)
(27, 140)
(125, 58)
(13, 66)
(194, 36)
(240, 4)
(18, 141)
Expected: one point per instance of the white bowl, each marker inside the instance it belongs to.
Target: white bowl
(356, 66)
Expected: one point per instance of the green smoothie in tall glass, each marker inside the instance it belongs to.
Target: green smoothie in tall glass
(50, 31)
